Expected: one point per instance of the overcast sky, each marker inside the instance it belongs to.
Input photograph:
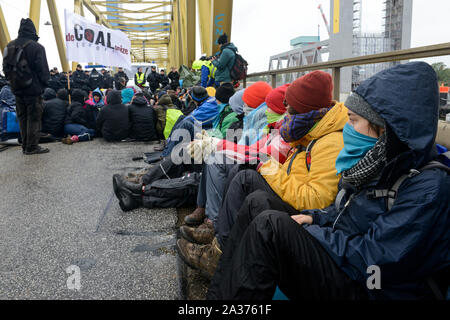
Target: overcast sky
(262, 28)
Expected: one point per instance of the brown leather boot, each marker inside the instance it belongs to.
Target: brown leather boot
(203, 234)
(195, 218)
(202, 257)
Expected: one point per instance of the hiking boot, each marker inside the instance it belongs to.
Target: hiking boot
(133, 187)
(202, 257)
(67, 140)
(195, 218)
(203, 234)
(37, 150)
(127, 199)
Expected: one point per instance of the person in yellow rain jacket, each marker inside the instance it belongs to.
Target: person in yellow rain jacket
(308, 178)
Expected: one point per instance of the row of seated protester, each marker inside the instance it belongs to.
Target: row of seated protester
(300, 194)
(128, 114)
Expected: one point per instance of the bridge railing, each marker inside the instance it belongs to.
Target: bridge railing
(442, 49)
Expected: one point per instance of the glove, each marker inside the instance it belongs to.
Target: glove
(209, 144)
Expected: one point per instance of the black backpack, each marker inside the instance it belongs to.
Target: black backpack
(239, 69)
(16, 67)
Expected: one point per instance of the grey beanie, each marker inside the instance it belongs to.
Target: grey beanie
(236, 102)
(358, 105)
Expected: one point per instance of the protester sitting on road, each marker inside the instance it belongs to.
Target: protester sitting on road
(79, 119)
(97, 98)
(202, 117)
(113, 120)
(142, 119)
(167, 115)
(391, 212)
(306, 180)
(54, 114)
(218, 170)
(127, 95)
(7, 97)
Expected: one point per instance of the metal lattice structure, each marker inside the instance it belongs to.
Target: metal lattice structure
(163, 32)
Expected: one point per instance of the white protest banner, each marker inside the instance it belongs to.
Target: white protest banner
(87, 41)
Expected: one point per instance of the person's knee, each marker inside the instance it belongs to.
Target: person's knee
(272, 219)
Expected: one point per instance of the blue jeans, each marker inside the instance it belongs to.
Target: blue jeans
(83, 133)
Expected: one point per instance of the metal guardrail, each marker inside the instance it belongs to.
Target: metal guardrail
(442, 49)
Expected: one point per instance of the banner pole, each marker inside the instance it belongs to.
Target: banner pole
(68, 86)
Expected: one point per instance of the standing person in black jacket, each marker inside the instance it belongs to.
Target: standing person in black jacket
(142, 119)
(95, 80)
(113, 119)
(80, 79)
(163, 79)
(174, 77)
(117, 76)
(153, 80)
(108, 80)
(55, 113)
(28, 99)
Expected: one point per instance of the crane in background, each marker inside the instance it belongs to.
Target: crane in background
(324, 18)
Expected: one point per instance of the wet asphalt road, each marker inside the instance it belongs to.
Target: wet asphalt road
(58, 210)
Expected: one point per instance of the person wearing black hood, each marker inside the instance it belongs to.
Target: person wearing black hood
(55, 113)
(174, 77)
(153, 80)
(163, 79)
(117, 79)
(108, 80)
(28, 98)
(142, 119)
(95, 80)
(113, 120)
(80, 79)
(78, 119)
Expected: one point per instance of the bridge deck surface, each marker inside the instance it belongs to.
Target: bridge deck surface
(59, 209)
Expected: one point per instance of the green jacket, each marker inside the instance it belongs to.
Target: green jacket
(225, 63)
(226, 118)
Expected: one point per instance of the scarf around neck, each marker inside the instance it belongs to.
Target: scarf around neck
(297, 126)
(369, 166)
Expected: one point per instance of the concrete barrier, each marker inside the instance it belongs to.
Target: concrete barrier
(443, 135)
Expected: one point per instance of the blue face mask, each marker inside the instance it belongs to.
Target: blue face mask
(356, 145)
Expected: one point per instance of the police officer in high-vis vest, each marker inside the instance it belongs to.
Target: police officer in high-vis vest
(139, 78)
(208, 71)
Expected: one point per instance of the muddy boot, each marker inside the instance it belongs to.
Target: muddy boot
(202, 257)
(203, 234)
(161, 147)
(195, 218)
(127, 199)
(133, 187)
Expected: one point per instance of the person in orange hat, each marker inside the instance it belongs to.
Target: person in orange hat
(307, 179)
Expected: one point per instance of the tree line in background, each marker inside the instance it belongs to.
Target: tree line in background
(443, 73)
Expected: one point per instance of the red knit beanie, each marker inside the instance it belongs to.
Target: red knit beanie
(275, 99)
(256, 94)
(311, 92)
